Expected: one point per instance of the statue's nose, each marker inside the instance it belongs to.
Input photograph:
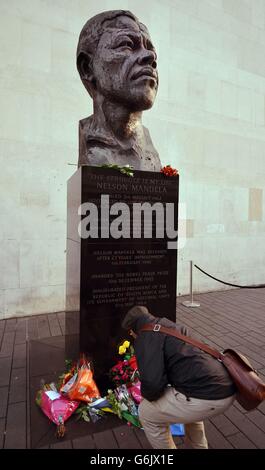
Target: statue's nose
(147, 57)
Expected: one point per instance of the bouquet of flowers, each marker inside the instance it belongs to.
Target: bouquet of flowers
(56, 407)
(78, 384)
(126, 370)
(127, 395)
(169, 171)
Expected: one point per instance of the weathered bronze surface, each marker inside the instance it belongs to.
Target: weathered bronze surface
(117, 64)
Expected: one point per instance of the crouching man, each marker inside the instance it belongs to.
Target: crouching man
(179, 382)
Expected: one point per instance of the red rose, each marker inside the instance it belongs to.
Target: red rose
(169, 171)
(133, 362)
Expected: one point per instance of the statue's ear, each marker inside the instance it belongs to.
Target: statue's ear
(84, 67)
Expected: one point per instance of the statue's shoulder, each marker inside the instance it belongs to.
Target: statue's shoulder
(95, 155)
(151, 153)
(146, 132)
(96, 146)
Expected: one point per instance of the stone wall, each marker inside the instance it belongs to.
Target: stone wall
(208, 121)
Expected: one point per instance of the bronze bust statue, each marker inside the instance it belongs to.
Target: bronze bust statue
(116, 61)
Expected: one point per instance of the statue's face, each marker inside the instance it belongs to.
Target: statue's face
(124, 65)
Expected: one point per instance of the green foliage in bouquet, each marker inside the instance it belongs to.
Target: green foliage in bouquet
(82, 413)
(115, 406)
(125, 170)
(131, 419)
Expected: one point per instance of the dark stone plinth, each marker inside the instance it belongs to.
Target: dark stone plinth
(107, 276)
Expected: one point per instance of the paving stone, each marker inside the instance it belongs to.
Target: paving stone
(62, 445)
(258, 419)
(105, 440)
(248, 428)
(86, 442)
(3, 401)
(20, 356)
(240, 441)
(224, 425)
(33, 328)
(2, 430)
(21, 331)
(215, 437)
(2, 330)
(43, 327)
(261, 407)
(16, 426)
(54, 325)
(18, 386)
(61, 318)
(223, 343)
(126, 438)
(5, 370)
(11, 324)
(140, 434)
(7, 344)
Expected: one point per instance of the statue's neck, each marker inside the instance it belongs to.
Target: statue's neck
(125, 125)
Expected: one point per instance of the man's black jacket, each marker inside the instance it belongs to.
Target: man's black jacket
(164, 360)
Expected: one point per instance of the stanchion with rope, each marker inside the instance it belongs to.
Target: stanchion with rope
(191, 303)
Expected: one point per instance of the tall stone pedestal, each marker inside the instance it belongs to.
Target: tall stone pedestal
(107, 276)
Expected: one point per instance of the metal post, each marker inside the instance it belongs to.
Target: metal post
(191, 303)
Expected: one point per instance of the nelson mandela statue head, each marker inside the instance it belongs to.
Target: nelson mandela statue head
(117, 64)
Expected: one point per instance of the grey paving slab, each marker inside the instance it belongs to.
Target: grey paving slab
(20, 356)
(126, 438)
(18, 386)
(7, 345)
(85, 442)
(5, 370)
(16, 426)
(105, 440)
(2, 430)
(240, 441)
(3, 401)
(215, 438)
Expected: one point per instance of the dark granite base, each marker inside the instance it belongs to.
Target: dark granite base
(108, 273)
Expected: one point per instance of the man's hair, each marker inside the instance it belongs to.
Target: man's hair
(94, 28)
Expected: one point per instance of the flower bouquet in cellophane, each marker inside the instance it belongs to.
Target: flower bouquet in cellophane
(78, 383)
(56, 407)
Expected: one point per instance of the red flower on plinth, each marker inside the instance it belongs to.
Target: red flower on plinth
(169, 171)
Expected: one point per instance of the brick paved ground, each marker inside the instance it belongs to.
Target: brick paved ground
(234, 318)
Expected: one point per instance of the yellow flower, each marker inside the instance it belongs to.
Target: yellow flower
(122, 350)
(126, 344)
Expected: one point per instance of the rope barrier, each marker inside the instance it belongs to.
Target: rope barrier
(259, 286)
